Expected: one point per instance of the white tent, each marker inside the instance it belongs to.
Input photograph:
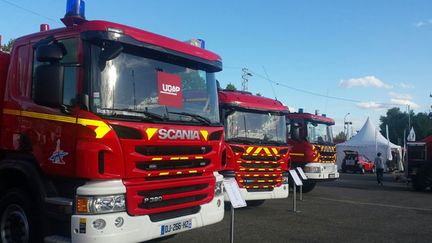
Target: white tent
(368, 141)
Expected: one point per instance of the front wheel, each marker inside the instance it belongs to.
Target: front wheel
(255, 203)
(18, 222)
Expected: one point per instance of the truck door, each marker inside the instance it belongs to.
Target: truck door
(51, 131)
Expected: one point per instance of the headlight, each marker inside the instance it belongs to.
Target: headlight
(308, 169)
(218, 188)
(285, 180)
(100, 204)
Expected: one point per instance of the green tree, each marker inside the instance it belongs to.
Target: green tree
(8, 47)
(397, 122)
(340, 137)
(231, 86)
(422, 125)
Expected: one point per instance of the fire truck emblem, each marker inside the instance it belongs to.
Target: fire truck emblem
(58, 154)
(173, 134)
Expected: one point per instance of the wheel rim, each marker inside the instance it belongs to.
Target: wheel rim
(14, 226)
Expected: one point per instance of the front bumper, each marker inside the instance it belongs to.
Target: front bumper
(141, 228)
(277, 193)
(321, 171)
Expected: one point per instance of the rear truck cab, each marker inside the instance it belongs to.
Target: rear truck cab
(109, 134)
(257, 152)
(355, 162)
(311, 138)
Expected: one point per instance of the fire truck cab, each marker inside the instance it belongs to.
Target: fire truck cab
(311, 138)
(108, 134)
(257, 152)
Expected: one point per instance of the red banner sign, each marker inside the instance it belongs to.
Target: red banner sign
(170, 89)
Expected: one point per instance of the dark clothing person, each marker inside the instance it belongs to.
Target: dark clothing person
(379, 166)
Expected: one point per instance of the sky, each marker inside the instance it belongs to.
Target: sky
(360, 57)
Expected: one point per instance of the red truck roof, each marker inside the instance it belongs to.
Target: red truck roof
(249, 101)
(138, 34)
(310, 116)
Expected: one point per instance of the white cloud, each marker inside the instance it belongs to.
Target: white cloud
(423, 23)
(409, 102)
(367, 81)
(400, 96)
(370, 105)
(420, 24)
(405, 85)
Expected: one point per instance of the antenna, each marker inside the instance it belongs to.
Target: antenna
(246, 74)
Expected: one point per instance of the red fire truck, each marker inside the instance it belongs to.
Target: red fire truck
(311, 138)
(257, 152)
(102, 139)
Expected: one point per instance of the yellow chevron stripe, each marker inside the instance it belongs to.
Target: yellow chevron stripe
(248, 150)
(101, 130)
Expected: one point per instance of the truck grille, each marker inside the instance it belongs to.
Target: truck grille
(172, 150)
(171, 195)
(259, 180)
(170, 165)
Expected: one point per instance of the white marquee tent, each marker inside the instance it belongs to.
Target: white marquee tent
(368, 141)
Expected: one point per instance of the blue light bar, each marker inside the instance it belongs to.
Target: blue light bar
(75, 8)
(197, 42)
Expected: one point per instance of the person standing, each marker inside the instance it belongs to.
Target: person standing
(379, 166)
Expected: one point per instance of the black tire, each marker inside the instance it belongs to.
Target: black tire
(307, 187)
(19, 221)
(255, 203)
(362, 170)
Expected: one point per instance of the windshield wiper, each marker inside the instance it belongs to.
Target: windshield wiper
(148, 114)
(195, 116)
(244, 140)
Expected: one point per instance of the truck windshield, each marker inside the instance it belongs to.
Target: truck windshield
(255, 127)
(319, 133)
(137, 86)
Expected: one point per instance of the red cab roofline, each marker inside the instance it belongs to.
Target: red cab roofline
(250, 101)
(138, 34)
(323, 119)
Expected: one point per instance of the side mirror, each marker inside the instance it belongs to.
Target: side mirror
(295, 132)
(53, 52)
(48, 86)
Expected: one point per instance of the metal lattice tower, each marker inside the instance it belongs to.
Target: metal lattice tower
(246, 74)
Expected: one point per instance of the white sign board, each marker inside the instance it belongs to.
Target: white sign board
(295, 177)
(233, 190)
(301, 173)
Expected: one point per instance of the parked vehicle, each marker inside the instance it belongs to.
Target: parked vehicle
(313, 149)
(102, 138)
(257, 151)
(355, 162)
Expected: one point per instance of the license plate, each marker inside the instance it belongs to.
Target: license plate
(167, 229)
(331, 176)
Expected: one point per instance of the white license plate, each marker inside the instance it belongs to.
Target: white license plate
(331, 176)
(167, 229)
